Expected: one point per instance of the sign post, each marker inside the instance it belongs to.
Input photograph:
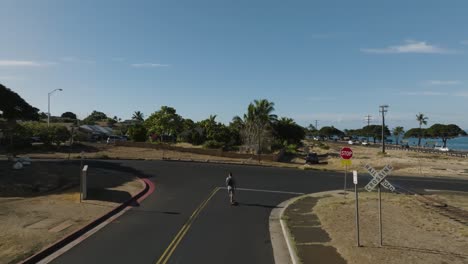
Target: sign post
(346, 155)
(84, 188)
(379, 181)
(355, 181)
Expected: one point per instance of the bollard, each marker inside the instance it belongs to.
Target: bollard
(84, 191)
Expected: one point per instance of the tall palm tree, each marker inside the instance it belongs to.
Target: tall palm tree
(138, 116)
(263, 110)
(397, 132)
(422, 121)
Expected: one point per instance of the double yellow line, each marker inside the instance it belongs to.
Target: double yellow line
(183, 231)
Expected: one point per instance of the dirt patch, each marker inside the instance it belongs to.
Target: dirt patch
(411, 234)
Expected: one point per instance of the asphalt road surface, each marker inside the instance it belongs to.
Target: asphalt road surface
(188, 219)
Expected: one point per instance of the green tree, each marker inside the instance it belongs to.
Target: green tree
(397, 132)
(445, 132)
(94, 117)
(330, 131)
(191, 132)
(375, 131)
(416, 133)
(48, 135)
(59, 134)
(69, 115)
(138, 116)
(257, 125)
(286, 130)
(13, 108)
(422, 121)
(165, 122)
(138, 133)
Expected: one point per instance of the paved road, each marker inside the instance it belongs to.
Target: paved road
(218, 233)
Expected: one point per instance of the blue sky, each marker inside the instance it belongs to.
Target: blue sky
(334, 61)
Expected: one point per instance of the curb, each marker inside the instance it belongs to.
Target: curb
(49, 250)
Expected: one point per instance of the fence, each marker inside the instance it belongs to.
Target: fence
(208, 152)
(431, 151)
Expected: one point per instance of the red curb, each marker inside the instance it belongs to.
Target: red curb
(47, 251)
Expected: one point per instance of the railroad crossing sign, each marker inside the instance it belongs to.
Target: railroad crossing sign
(379, 178)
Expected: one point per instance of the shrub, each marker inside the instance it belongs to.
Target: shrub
(48, 135)
(291, 149)
(213, 144)
(138, 133)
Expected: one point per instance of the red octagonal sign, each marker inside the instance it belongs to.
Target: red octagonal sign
(346, 153)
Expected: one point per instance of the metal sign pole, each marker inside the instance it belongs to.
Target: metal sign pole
(345, 175)
(380, 214)
(357, 207)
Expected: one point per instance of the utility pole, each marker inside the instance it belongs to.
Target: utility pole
(383, 110)
(316, 124)
(368, 119)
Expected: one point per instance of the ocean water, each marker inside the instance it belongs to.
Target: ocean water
(459, 143)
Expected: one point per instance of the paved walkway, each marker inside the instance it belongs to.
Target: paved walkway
(310, 239)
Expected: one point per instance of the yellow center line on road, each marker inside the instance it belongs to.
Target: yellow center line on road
(183, 231)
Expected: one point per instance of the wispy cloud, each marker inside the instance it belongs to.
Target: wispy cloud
(118, 59)
(410, 46)
(8, 77)
(320, 98)
(330, 117)
(464, 42)
(424, 93)
(148, 65)
(24, 63)
(72, 59)
(461, 94)
(443, 82)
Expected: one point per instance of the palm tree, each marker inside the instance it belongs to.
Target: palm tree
(422, 121)
(263, 111)
(138, 116)
(397, 132)
(256, 122)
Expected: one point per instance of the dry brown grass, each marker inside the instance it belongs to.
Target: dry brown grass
(412, 233)
(27, 223)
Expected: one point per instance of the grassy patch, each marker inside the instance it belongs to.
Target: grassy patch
(101, 156)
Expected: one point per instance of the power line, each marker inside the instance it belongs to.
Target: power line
(368, 119)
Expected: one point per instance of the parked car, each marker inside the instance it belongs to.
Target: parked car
(312, 158)
(365, 143)
(350, 142)
(441, 148)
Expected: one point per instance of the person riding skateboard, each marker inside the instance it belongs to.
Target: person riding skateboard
(231, 187)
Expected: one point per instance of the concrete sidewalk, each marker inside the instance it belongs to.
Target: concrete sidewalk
(309, 242)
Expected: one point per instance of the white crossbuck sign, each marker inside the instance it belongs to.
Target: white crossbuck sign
(379, 177)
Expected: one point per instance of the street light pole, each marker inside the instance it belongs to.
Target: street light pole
(48, 105)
